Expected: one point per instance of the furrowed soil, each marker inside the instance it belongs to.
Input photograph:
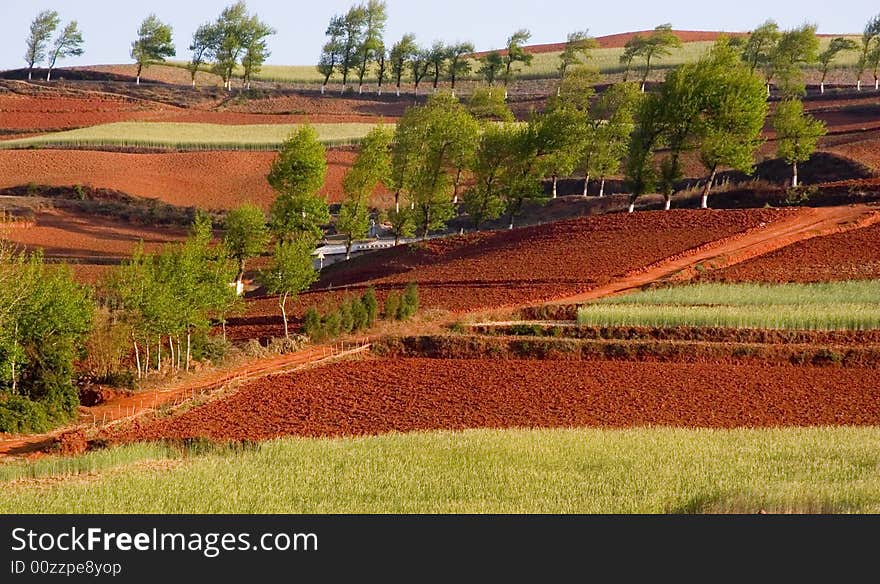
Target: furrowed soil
(406, 395)
(209, 180)
(502, 268)
(852, 255)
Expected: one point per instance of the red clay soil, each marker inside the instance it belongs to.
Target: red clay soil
(58, 113)
(866, 152)
(852, 255)
(501, 268)
(210, 180)
(380, 396)
(75, 235)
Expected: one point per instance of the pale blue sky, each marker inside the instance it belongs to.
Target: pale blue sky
(109, 25)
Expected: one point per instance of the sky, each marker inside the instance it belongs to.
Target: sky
(109, 26)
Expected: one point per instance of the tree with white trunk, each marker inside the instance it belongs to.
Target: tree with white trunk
(67, 44)
(576, 51)
(835, 47)
(290, 272)
(797, 134)
(375, 18)
(870, 39)
(41, 31)
(153, 44)
(400, 56)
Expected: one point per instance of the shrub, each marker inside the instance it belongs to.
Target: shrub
(371, 305)
(409, 302)
(19, 414)
(333, 323)
(312, 324)
(358, 315)
(392, 304)
(346, 318)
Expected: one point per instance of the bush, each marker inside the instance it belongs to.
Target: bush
(346, 318)
(333, 324)
(210, 348)
(19, 414)
(409, 302)
(371, 305)
(312, 324)
(392, 305)
(358, 315)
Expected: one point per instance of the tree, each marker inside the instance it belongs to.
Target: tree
(659, 44)
(641, 174)
(432, 143)
(42, 29)
(576, 52)
(246, 236)
(153, 44)
(734, 113)
(297, 174)
(836, 46)
(608, 133)
(352, 41)
(419, 65)
(256, 48)
(67, 44)
(630, 51)
(290, 273)
(371, 167)
(381, 57)
(204, 40)
(375, 17)
(795, 48)
(797, 134)
(516, 53)
(484, 200)
(437, 57)
(486, 104)
(565, 127)
(331, 53)
(870, 37)
(758, 50)
(459, 63)
(491, 66)
(401, 54)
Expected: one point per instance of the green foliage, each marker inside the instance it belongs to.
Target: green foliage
(658, 44)
(371, 167)
(491, 66)
(484, 201)
(459, 64)
(400, 56)
(797, 133)
(67, 44)
(41, 30)
(607, 136)
(45, 317)
(758, 50)
(836, 46)
(312, 324)
(246, 234)
(516, 53)
(486, 104)
(153, 44)
(576, 52)
(409, 302)
(371, 306)
(392, 306)
(333, 324)
(296, 175)
(359, 315)
(346, 318)
(290, 272)
(432, 143)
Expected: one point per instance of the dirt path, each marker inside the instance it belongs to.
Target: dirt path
(811, 222)
(130, 406)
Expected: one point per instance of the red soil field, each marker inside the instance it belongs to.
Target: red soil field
(210, 180)
(852, 255)
(74, 235)
(866, 152)
(57, 113)
(406, 395)
(500, 268)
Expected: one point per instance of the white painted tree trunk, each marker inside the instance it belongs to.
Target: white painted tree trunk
(859, 85)
(138, 80)
(30, 75)
(555, 180)
(159, 356)
(822, 88)
(794, 176)
(179, 353)
(49, 75)
(283, 302)
(511, 225)
(704, 201)
(586, 184)
(398, 92)
(323, 88)
(188, 349)
(137, 358)
(147, 364)
(602, 187)
(632, 207)
(876, 84)
(194, 83)
(668, 205)
(360, 89)
(171, 349)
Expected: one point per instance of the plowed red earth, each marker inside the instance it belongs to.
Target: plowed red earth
(76, 235)
(852, 255)
(210, 180)
(536, 263)
(378, 396)
(57, 113)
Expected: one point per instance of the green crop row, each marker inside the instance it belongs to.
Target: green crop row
(649, 470)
